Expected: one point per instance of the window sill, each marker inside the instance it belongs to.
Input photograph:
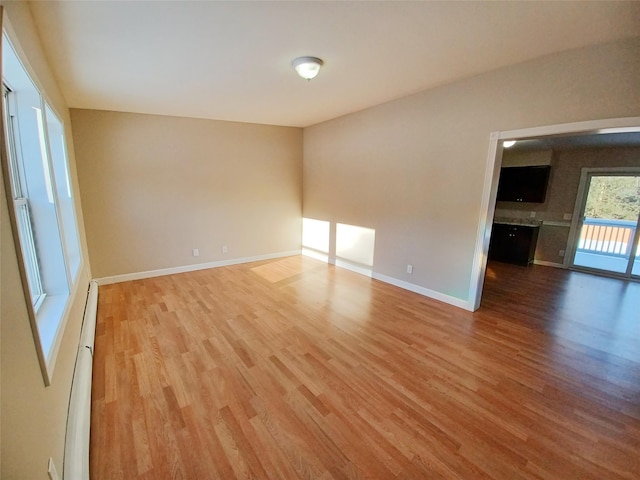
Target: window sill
(50, 319)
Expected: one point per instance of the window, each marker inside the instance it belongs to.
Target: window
(43, 207)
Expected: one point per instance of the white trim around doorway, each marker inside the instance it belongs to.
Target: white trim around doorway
(492, 174)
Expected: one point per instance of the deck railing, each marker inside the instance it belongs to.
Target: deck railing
(609, 237)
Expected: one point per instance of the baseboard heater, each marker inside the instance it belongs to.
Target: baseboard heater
(76, 450)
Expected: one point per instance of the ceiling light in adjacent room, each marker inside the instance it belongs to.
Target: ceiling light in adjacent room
(307, 67)
(508, 143)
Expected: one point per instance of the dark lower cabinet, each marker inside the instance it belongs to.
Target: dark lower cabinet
(513, 243)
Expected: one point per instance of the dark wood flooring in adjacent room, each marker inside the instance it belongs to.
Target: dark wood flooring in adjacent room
(293, 369)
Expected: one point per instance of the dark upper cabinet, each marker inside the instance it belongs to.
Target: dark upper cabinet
(523, 184)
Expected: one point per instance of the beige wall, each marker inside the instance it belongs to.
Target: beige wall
(155, 187)
(413, 169)
(33, 417)
(567, 168)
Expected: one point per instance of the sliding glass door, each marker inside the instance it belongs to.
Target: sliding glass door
(609, 224)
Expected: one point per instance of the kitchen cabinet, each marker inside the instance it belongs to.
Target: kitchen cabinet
(512, 243)
(523, 184)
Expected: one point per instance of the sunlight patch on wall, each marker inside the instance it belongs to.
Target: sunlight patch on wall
(355, 247)
(316, 238)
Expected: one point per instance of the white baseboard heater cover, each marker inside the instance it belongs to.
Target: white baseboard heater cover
(76, 451)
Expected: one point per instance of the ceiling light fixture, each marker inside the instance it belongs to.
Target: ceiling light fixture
(508, 143)
(307, 67)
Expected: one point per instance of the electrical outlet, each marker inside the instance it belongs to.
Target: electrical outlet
(51, 470)
(567, 216)
(224, 249)
(533, 214)
(561, 253)
(196, 252)
(409, 268)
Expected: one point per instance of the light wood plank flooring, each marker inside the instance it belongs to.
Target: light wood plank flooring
(293, 369)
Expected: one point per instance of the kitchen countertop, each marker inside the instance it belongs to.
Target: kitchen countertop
(525, 222)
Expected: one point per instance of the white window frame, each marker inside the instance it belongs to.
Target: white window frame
(21, 205)
(44, 257)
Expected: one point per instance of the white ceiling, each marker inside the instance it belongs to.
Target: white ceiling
(232, 60)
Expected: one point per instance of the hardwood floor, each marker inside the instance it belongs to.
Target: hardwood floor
(293, 369)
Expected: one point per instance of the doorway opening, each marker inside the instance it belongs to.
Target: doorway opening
(494, 163)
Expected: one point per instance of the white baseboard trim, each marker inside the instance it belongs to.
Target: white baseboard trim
(548, 264)
(456, 302)
(191, 268)
(342, 264)
(323, 257)
(367, 272)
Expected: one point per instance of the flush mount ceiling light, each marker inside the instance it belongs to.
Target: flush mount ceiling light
(307, 67)
(508, 143)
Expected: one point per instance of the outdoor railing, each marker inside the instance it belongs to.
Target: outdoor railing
(610, 237)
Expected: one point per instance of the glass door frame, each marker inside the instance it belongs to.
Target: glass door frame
(578, 214)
